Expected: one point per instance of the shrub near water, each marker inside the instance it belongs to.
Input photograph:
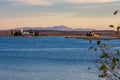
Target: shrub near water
(109, 62)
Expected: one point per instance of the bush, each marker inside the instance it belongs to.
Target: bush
(36, 33)
(108, 62)
(18, 33)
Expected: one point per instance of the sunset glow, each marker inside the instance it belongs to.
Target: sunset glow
(97, 14)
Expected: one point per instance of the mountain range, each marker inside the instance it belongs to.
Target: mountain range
(59, 28)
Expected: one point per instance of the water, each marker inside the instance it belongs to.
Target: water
(48, 58)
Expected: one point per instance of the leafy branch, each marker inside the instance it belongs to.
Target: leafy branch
(108, 62)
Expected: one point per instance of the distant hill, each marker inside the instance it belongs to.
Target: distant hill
(81, 29)
(61, 28)
(58, 28)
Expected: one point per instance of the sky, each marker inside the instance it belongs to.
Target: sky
(97, 14)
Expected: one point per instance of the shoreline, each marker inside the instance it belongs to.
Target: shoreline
(93, 38)
(98, 34)
(77, 37)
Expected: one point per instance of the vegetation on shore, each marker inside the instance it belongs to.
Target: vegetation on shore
(17, 33)
(29, 33)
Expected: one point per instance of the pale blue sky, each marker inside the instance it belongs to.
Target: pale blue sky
(75, 13)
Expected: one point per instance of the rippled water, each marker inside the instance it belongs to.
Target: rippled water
(48, 58)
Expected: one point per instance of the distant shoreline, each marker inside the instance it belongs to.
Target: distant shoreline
(99, 38)
(103, 34)
(77, 37)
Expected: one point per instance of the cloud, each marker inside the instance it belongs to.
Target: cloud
(89, 1)
(26, 8)
(33, 2)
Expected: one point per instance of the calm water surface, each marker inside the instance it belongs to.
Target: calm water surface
(48, 58)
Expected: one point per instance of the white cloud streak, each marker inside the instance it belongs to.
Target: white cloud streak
(51, 2)
(34, 2)
(89, 1)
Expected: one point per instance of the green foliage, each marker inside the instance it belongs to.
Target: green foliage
(90, 48)
(104, 55)
(18, 33)
(114, 60)
(112, 26)
(98, 42)
(118, 29)
(109, 63)
(111, 46)
(118, 53)
(115, 12)
(36, 33)
(104, 69)
(102, 76)
(90, 41)
(89, 34)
